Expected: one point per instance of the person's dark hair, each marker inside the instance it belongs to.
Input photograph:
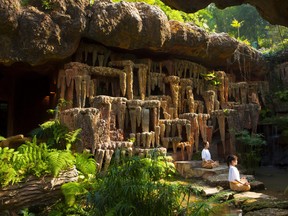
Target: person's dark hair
(205, 143)
(230, 158)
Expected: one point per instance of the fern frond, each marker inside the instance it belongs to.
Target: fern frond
(71, 190)
(86, 164)
(60, 160)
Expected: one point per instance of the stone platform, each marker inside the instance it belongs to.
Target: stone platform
(190, 169)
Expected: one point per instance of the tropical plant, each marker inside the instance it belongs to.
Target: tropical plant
(136, 188)
(32, 159)
(236, 24)
(249, 148)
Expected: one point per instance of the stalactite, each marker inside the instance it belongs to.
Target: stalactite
(174, 127)
(149, 140)
(165, 142)
(162, 130)
(129, 72)
(179, 128)
(94, 57)
(108, 156)
(143, 140)
(243, 92)
(142, 79)
(99, 156)
(254, 115)
(175, 143)
(83, 93)
(123, 83)
(69, 98)
(202, 126)
(138, 136)
(61, 83)
(78, 82)
(168, 128)
(221, 123)
(133, 119)
(101, 60)
(121, 115)
(145, 120)
(139, 115)
(232, 129)
(209, 98)
(91, 89)
(188, 131)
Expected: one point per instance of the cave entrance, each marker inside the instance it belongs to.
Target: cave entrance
(25, 97)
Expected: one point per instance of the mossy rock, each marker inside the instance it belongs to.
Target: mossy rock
(262, 204)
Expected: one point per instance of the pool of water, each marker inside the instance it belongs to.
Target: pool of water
(274, 179)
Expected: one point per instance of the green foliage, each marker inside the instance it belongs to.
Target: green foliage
(47, 4)
(2, 138)
(282, 95)
(86, 164)
(250, 147)
(211, 78)
(32, 158)
(71, 190)
(134, 188)
(59, 160)
(56, 134)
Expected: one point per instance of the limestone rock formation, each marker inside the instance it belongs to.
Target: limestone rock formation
(273, 11)
(33, 35)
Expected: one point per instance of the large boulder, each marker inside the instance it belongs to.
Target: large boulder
(35, 35)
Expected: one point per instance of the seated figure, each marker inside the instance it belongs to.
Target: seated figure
(235, 182)
(207, 162)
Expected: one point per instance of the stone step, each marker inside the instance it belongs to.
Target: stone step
(190, 169)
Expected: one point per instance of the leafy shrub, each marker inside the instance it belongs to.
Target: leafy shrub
(250, 147)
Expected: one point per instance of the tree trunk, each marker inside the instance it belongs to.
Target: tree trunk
(35, 191)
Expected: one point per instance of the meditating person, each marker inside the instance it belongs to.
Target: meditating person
(207, 162)
(235, 182)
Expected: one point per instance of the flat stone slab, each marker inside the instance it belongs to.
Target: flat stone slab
(268, 211)
(222, 180)
(251, 195)
(189, 169)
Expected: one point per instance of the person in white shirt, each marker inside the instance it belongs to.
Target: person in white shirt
(236, 183)
(207, 162)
